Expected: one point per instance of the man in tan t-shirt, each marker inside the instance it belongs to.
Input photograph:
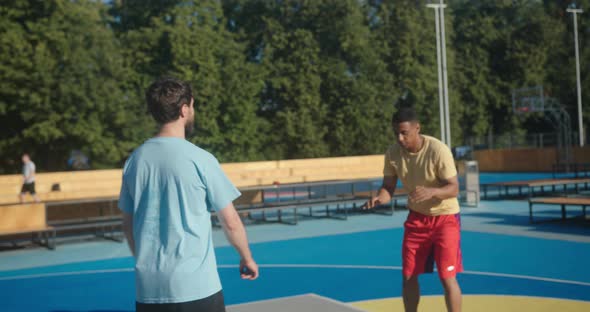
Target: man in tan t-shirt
(432, 230)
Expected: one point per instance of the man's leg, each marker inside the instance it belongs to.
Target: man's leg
(23, 192)
(36, 197)
(33, 192)
(411, 293)
(417, 258)
(452, 294)
(447, 253)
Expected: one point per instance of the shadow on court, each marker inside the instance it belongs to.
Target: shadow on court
(548, 221)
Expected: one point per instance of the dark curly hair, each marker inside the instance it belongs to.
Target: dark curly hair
(404, 114)
(165, 98)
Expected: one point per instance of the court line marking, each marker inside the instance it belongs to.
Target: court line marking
(30, 276)
(339, 303)
(269, 300)
(310, 266)
(330, 300)
(477, 295)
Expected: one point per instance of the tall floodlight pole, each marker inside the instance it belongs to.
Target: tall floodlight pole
(575, 13)
(443, 87)
(443, 48)
(441, 100)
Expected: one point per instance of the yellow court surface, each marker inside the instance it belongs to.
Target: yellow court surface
(481, 303)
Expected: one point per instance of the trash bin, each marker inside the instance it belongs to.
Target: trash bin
(468, 175)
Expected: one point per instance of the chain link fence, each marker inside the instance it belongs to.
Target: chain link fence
(512, 140)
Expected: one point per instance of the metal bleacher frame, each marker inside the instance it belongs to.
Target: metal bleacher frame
(304, 197)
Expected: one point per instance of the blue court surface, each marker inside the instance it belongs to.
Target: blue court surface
(356, 262)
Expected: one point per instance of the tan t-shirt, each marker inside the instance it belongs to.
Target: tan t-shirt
(428, 167)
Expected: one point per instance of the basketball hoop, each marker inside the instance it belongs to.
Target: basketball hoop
(528, 100)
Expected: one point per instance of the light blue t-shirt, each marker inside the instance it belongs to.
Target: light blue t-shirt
(169, 186)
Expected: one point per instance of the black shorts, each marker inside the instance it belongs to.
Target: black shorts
(213, 303)
(28, 188)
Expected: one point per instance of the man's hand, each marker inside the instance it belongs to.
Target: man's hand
(422, 193)
(236, 234)
(384, 194)
(248, 269)
(372, 203)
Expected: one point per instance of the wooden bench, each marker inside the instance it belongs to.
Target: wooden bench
(561, 201)
(530, 186)
(27, 219)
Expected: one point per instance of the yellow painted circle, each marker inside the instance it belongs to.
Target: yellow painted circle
(481, 303)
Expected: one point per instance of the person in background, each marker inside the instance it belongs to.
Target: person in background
(28, 179)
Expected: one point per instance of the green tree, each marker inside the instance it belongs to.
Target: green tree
(355, 82)
(406, 29)
(480, 43)
(292, 94)
(190, 40)
(64, 85)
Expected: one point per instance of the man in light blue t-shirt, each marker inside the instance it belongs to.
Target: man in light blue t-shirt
(169, 187)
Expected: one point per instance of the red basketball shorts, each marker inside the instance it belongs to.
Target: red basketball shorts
(429, 239)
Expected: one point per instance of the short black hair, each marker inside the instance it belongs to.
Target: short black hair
(404, 114)
(166, 96)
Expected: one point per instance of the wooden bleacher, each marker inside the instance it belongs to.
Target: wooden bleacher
(74, 198)
(67, 185)
(304, 170)
(72, 201)
(91, 184)
(27, 219)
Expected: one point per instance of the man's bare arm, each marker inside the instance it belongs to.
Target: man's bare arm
(385, 193)
(236, 235)
(450, 189)
(128, 230)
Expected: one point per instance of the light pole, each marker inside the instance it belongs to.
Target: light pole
(441, 57)
(575, 13)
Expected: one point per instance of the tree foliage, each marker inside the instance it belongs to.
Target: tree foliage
(273, 79)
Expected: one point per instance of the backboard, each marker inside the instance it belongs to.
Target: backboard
(528, 100)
